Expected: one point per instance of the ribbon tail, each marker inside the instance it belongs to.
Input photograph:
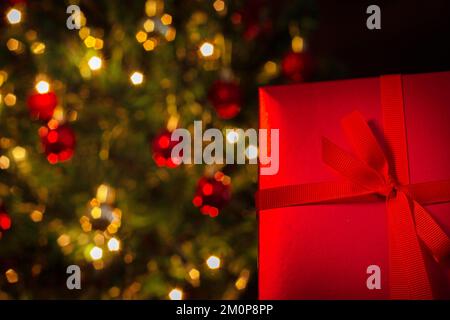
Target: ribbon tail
(431, 233)
(408, 275)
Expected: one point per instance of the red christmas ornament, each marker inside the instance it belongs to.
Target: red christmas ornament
(212, 194)
(58, 142)
(162, 147)
(42, 106)
(256, 17)
(225, 97)
(296, 66)
(5, 219)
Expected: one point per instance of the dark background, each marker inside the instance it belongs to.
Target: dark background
(414, 36)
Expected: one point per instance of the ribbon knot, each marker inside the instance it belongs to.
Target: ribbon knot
(370, 170)
(389, 189)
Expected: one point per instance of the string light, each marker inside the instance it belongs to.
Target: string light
(232, 137)
(150, 44)
(207, 49)
(84, 32)
(12, 276)
(95, 63)
(297, 44)
(251, 152)
(170, 34)
(114, 292)
(99, 239)
(137, 78)
(19, 153)
(85, 224)
(270, 68)
(4, 162)
(176, 294)
(96, 212)
(104, 194)
(194, 274)
(128, 258)
(166, 19)
(149, 25)
(96, 253)
(219, 5)
(10, 99)
(36, 216)
(98, 264)
(98, 44)
(141, 36)
(13, 45)
(113, 244)
(42, 87)
(63, 240)
(213, 262)
(89, 42)
(38, 47)
(14, 16)
(241, 282)
(3, 77)
(151, 7)
(36, 269)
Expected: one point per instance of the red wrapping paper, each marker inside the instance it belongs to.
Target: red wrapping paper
(322, 251)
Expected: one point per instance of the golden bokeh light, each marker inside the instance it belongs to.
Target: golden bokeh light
(219, 5)
(141, 36)
(194, 274)
(150, 44)
(297, 44)
(149, 25)
(89, 42)
(96, 212)
(36, 216)
(63, 240)
(4, 162)
(19, 153)
(10, 99)
(13, 45)
(166, 19)
(12, 276)
(38, 47)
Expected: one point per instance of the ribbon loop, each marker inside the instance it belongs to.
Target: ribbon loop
(350, 167)
(364, 142)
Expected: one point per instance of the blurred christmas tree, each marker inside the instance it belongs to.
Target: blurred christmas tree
(85, 119)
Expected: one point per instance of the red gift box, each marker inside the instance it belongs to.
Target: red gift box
(363, 180)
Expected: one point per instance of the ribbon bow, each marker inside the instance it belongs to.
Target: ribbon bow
(370, 172)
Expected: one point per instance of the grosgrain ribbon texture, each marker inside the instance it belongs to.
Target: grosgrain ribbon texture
(371, 172)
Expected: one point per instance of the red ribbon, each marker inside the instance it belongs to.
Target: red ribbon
(370, 173)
